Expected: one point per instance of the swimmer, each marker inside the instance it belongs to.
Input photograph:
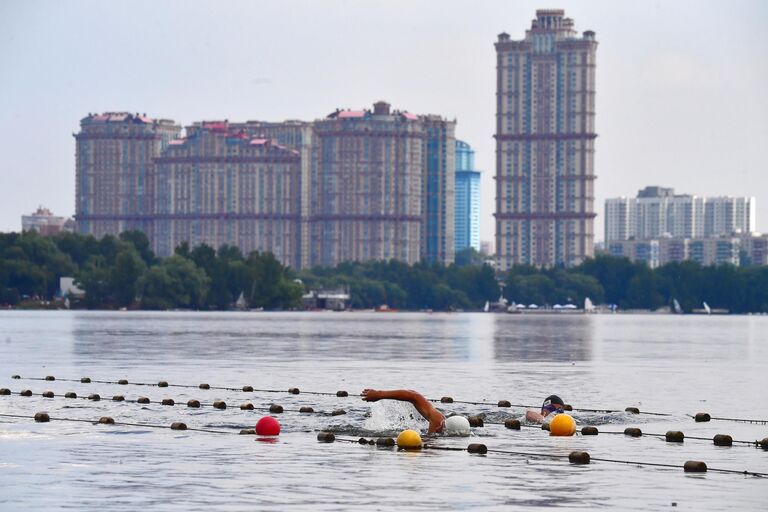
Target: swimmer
(438, 423)
(552, 404)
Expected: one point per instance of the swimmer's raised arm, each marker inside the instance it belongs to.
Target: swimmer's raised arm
(424, 406)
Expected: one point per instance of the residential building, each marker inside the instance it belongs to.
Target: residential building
(545, 135)
(221, 186)
(658, 212)
(44, 222)
(467, 217)
(114, 158)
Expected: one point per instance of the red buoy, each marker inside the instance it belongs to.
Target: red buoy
(267, 426)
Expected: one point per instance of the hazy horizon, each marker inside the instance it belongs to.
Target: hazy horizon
(681, 94)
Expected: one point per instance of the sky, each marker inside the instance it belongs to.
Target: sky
(681, 85)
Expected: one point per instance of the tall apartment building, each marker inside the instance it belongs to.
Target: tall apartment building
(383, 187)
(355, 186)
(657, 212)
(545, 133)
(221, 186)
(115, 154)
(467, 230)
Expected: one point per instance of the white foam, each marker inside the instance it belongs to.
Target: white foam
(394, 415)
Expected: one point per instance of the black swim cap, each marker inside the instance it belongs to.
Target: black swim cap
(552, 400)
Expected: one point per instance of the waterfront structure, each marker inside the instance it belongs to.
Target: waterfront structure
(221, 186)
(467, 217)
(658, 212)
(115, 154)
(545, 134)
(45, 222)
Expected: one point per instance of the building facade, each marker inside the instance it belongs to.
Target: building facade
(354, 186)
(220, 186)
(45, 222)
(115, 154)
(545, 133)
(658, 212)
(467, 217)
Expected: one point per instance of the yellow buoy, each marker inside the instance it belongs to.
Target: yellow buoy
(409, 440)
(562, 425)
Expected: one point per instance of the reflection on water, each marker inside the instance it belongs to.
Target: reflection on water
(543, 337)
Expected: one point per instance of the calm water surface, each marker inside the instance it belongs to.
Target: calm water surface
(672, 364)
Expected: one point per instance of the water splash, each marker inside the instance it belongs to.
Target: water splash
(389, 415)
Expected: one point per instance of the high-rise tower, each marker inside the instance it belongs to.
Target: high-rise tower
(467, 198)
(545, 133)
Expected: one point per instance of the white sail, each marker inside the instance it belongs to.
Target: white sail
(707, 308)
(240, 303)
(677, 307)
(487, 306)
(588, 306)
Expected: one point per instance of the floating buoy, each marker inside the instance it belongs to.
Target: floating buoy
(275, 409)
(204, 386)
(578, 458)
(409, 440)
(71, 394)
(722, 440)
(247, 389)
(385, 442)
(633, 432)
(118, 398)
(764, 443)
(562, 425)
(338, 412)
(512, 423)
(219, 404)
(106, 420)
(193, 403)
(674, 436)
(5, 391)
(545, 426)
(85, 380)
(168, 401)
(268, 426)
(48, 394)
(589, 431)
(15, 376)
(633, 410)
(567, 407)
(326, 437)
(42, 417)
(342, 393)
(247, 406)
(362, 440)
(50, 377)
(477, 448)
(306, 409)
(247, 431)
(95, 397)
(695, 466)
(446, 400)
(26, 392)
(504, 403)
(178, 425)
(702, 417)
(294, 391)
(142, 400)
(475, 421)
(162, 384)
(122, 382)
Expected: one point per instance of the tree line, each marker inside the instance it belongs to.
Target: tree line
(122, 271)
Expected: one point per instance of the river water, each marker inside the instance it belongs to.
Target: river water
(678, 365)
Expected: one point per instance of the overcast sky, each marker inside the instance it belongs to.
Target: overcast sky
(681, 85)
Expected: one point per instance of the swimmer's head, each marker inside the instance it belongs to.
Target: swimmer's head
(551, 404)
(456, 426)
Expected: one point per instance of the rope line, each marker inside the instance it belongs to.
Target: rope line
(124, 423)
(176, 403)
(324, 393)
